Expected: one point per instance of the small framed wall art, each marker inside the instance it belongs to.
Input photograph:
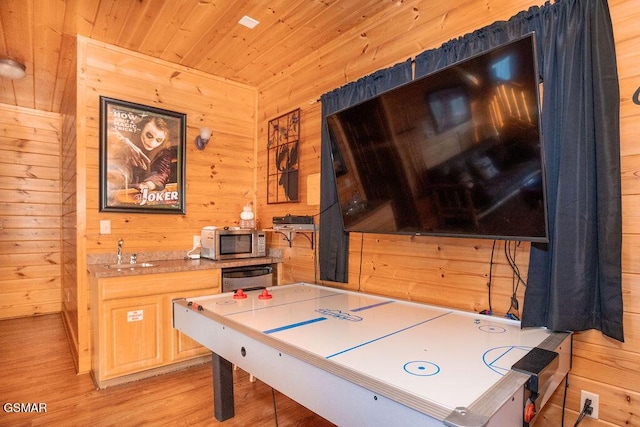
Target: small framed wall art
(142, 158)
(282, 157)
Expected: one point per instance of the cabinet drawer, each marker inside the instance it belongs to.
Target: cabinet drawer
(155, 284)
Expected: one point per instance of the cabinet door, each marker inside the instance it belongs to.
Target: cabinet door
(186, 348)
(181, 346)
(133, 334)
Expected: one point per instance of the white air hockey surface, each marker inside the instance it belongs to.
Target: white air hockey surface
(415, 347)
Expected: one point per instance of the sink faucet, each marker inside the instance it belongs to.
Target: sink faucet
(119, 253)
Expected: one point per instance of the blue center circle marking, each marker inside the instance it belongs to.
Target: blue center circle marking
(421, 368)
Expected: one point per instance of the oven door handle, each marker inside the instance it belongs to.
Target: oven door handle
(247, 272)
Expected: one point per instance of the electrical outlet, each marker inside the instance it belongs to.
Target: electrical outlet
(196, 242)
(105, 226)
(595, 401)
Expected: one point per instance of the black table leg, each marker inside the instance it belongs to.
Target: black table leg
(223, 407)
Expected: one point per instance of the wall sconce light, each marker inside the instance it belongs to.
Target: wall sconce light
(12, 69)
(203, 138)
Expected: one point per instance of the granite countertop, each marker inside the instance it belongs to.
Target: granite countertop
(101, 265)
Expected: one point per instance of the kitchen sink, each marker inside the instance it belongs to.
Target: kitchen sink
(124, 266)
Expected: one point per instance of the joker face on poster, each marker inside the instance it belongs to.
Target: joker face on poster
(142, 158)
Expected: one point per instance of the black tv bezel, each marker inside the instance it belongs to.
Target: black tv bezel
(335, 149)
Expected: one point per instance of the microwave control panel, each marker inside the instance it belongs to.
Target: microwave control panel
(262, 243)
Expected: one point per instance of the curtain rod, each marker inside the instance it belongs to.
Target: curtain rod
(313, 101)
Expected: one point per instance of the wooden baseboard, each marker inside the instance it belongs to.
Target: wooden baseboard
(72, 341)
(100, 385)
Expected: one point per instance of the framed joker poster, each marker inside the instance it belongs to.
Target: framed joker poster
(142, 158)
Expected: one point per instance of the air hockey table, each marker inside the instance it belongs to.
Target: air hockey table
(359, 360)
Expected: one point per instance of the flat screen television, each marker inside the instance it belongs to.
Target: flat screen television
(455, 153)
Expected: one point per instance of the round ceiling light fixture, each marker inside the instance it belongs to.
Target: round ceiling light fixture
(12, 69)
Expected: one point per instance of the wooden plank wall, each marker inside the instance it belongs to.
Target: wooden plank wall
(30, 276)
(219, 180)
(72, 199)
(454, 272)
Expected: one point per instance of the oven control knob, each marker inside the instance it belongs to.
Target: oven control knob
(239, 294)
(265, 295)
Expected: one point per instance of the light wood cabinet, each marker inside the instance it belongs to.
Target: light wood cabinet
(132, 324)
(132, 335)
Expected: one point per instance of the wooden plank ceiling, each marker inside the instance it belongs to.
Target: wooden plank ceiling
(200, 34)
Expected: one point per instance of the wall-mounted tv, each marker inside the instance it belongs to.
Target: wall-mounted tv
(455, 153)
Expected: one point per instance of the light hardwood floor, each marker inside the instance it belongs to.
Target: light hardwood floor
(36, 367)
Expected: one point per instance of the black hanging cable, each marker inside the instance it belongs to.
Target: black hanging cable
(326, 209)
(514, 266)
(586, 409)
(489, 284)
(516, 278)
(564, 399)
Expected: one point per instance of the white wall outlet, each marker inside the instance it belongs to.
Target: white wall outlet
(196, 241)
(105, 226)
(595, 402)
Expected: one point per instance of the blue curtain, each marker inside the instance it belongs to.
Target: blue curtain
(574, 282)
(334, 242)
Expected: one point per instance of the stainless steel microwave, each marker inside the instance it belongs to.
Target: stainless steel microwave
(232, 243)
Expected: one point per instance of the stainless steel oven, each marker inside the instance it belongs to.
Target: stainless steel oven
(247, 277)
